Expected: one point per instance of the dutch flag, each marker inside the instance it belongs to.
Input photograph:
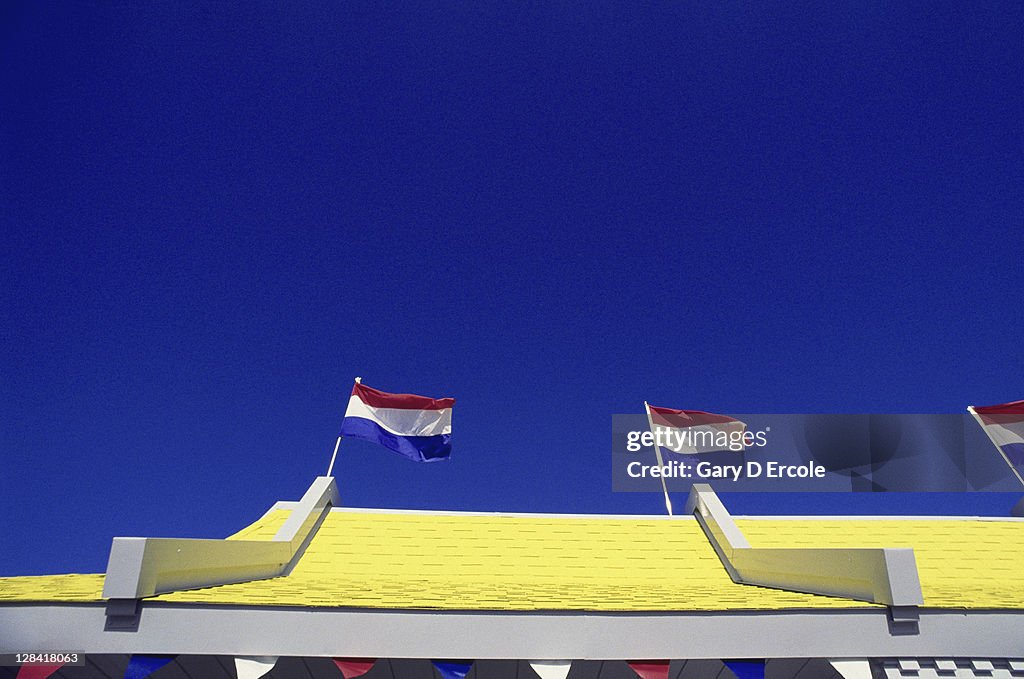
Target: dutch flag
(1004, 424)
(418, 427)
(692, 432)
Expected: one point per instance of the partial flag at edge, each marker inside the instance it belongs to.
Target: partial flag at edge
(1004, 424)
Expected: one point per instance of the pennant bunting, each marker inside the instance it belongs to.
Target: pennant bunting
(650, 669)
(452, 669)
(551, 669)
(852, 669)
(254, 666)
(746, 669)
(354, 667)
(37, 671)
(141, 666)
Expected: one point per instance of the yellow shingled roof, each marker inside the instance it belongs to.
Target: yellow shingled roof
(961, 563)
(513, 562)
(72, 588)
(496, 562)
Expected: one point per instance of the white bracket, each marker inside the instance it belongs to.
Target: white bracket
(144, 567)
(884, 576)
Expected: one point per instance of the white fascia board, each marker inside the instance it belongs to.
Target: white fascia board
(225, 630)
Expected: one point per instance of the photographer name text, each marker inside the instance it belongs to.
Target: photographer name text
(733, 472)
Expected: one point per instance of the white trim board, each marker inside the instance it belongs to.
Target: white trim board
(166, 628)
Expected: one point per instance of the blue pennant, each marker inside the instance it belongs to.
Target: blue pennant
(746, 669)
(452, 669)
(140, 666)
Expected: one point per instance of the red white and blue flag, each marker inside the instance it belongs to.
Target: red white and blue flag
(1004, 424)
(417, 427)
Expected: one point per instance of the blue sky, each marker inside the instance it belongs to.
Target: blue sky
(214, 218)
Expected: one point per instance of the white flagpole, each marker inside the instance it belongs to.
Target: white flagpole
(330, 467)
(1013, 469)
(337, 444)
(657, 452)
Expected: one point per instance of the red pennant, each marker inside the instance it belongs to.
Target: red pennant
(354, 667)
(37, 671)
(650, 669)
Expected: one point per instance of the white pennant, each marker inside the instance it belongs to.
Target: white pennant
(852, 669)
(254, 666)
(551, 669)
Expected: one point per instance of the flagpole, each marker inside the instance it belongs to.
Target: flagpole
(1013, 469)
(330, 468)
(337, 444)
(657, 452)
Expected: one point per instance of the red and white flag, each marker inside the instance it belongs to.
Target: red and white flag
(691, 432)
